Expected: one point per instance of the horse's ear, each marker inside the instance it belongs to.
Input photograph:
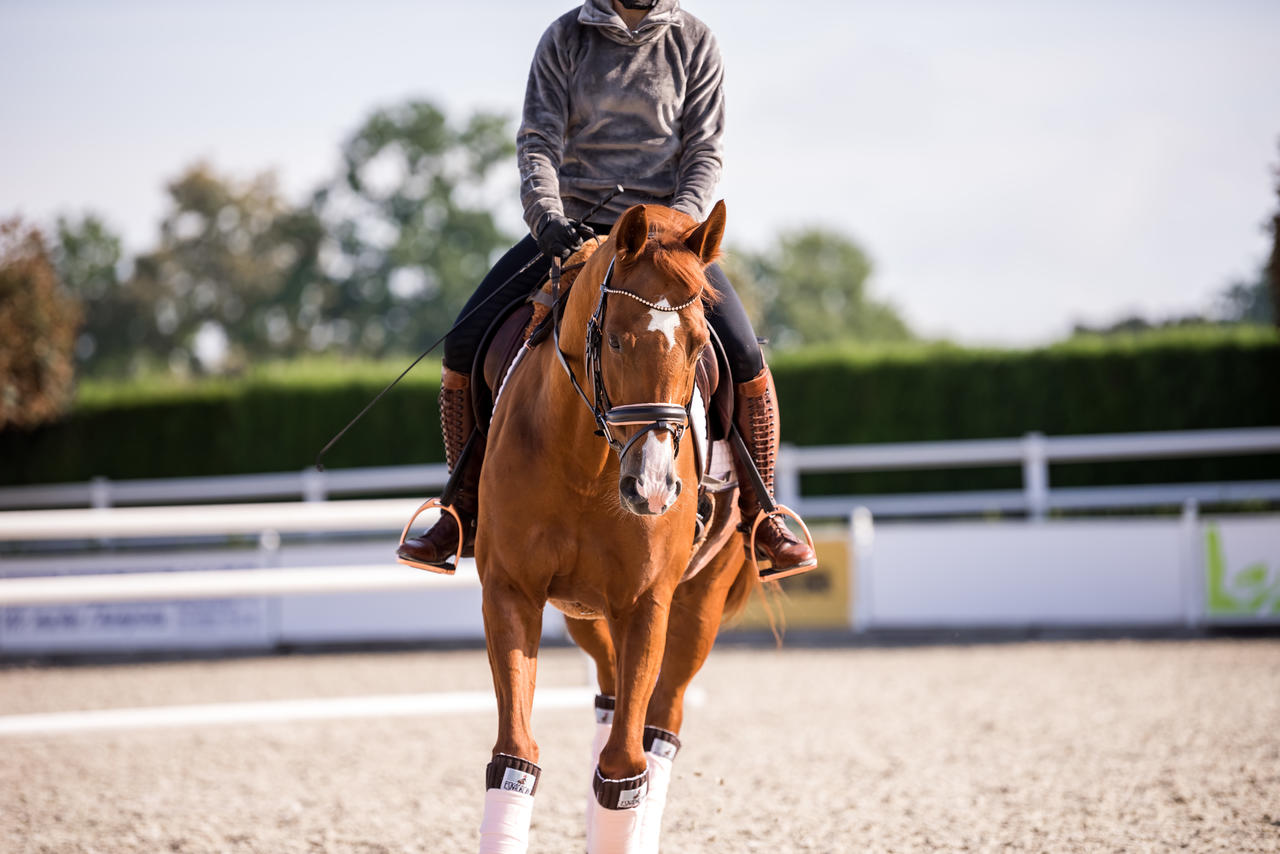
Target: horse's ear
(632, 230)
(704, 240)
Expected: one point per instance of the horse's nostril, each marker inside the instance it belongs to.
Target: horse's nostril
(678, 486)
(628, 486)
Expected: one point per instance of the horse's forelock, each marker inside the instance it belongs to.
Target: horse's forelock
(667, 252)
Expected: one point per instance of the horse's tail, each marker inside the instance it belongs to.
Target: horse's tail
(746, 583)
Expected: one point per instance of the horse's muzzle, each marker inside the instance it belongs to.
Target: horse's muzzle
(645, 497)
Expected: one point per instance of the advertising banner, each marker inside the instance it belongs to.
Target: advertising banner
(1242, 570)
(231, 623)
(818, 599)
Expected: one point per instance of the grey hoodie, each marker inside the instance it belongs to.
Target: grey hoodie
(607, 106)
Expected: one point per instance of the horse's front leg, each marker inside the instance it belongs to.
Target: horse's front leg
(512, 628)
(621, 778)
(593, 637)
(696, 612)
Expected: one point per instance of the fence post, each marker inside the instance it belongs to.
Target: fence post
(313, 485)
(1193, 575)
(1035, 475)
(862, 535)
(100, 493)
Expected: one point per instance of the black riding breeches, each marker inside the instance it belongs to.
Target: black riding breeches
(461, 345)
(727, 317)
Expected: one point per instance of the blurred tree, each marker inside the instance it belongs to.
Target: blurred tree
(411, 228)
(810, 288)
(89, 259)
(1245, 303)
(234, 276)
(380, 259)
(38, 320)
(1237, 303)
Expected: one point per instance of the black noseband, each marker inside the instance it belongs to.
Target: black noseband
(671, 417)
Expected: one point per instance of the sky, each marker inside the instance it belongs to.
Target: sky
(1010, 168)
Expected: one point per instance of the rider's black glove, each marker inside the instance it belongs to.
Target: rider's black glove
(558, 237)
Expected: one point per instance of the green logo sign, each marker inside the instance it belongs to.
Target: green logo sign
(1250, 591)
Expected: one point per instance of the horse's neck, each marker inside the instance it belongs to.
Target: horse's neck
(562, 414)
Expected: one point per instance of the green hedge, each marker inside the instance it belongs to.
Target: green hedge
(275, 419)
(1177, 380)
(278, 417)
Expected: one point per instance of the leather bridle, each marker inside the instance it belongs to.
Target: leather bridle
(670, 417)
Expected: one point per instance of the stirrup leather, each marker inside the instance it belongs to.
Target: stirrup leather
(444, 567)
(767, 574)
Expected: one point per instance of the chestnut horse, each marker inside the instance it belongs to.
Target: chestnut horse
(588, 500)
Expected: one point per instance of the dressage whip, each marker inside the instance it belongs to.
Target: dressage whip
(578, 224)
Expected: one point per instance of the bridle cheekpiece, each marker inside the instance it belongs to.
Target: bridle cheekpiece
(671, 417)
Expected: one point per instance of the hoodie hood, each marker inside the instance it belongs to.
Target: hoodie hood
(600, 13)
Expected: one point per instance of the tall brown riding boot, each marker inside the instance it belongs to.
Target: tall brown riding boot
(756, 409)
(457, 423)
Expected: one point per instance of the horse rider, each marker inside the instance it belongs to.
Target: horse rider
(630, 93)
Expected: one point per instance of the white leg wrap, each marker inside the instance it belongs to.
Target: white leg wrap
(660, 751)
(613, 831)
(604, 725)
(505, 827)
(597, 742)
(654, 803)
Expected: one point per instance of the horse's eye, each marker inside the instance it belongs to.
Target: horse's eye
(614, 342)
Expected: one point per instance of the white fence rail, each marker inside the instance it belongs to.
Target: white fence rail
(307, 485)
(265, 593)
(329, 517)
(223, 584)
(1033, 453)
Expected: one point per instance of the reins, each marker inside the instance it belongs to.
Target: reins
(671, 417)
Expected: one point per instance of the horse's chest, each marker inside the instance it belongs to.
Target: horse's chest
(595, 583)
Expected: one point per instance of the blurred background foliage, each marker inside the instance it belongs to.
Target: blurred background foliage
(275, 416)
(38, 321)
(375, 263)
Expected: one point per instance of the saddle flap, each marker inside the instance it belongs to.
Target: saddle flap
(719, 392)
(498, 348)
(707, 374)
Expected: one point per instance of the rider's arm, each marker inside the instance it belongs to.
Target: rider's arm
(703, 127)
(540, 140)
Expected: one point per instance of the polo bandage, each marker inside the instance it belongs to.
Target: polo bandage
(660, 748)
(613, 823)
(508, 805)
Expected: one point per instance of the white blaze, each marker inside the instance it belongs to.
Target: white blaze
(656, 461)
(664, 321)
